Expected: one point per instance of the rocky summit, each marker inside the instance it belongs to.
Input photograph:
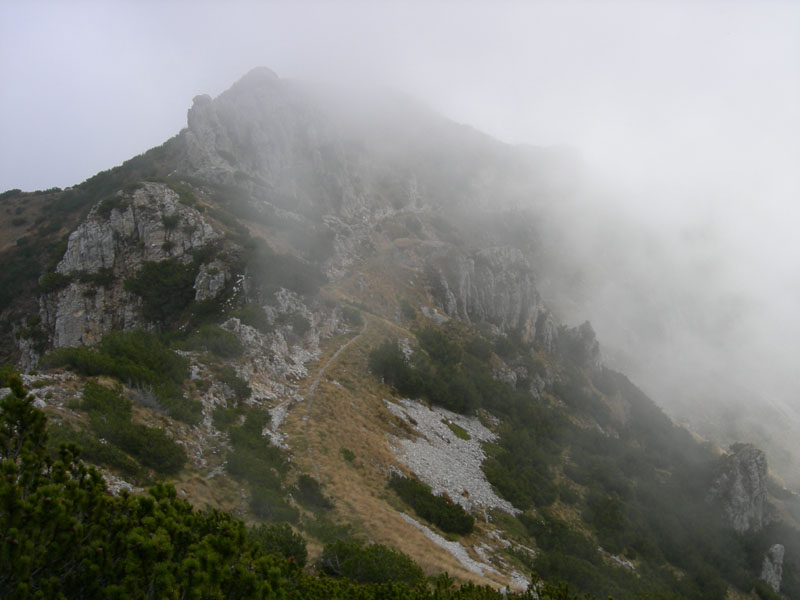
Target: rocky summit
(319, 313)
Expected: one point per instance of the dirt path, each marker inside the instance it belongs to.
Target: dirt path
(309, 397)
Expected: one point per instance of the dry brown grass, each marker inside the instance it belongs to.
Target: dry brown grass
(352, 415)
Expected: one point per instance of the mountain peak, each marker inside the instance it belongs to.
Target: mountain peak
(258, 76)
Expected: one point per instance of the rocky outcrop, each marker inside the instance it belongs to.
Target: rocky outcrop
(119, 235)
(772, 569)
(741, 488)
(581, 345)
(271, 136)
(495, 285)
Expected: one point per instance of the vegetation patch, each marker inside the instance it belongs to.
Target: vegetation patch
(271, 271)
(439, 510)
(347, 454)
(110, 419)
(227, 374)
(254, 316)
(373, 563)
(212, 338)
(457, 430)
(104, 455)
(137, 358)
(263, 466)
(281, 540)
(166, 289)
(52, 282)
(352, 316)
(309, 494)
(111, 203)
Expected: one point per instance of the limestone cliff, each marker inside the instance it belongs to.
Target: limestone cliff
(496, 285)
(741, 488)
(118, 236)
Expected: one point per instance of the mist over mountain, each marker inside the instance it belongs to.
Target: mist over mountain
(331, 307)
(678, 221)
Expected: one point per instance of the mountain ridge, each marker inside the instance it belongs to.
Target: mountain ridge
(262, 243)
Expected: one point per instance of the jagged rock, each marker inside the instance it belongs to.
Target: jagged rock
(772, 569)
(134, 231)
(494, 285)
(741, 488)
(211, 280)
(581, 344)
(272, 131)
(115, 240)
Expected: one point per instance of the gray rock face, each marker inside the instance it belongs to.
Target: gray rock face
(772, 569)
(741, 488)
(494, 285)
(582, 344)
(211, 280)
(148, 224)
(270, 134)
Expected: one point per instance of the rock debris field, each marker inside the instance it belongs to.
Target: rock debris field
(443, 460)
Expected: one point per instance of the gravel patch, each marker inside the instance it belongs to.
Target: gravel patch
(457, 550)
(444, 461)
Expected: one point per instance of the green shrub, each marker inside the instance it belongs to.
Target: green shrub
(255, 460)
(300, 324)
(185, 194)
(112, 203)
(227, 375)
(223, 417)
(254, 316)
(110, 418)
(51, 282)
(389, 362)
(352, 316)
(166, 289)
(150, 446)
(374, 563)
(407, 310)
(215, 340)
(103, 277)
(440, 511)
(103, 455)
(280, 539)
(170, 222)
(457, 430)
(347, 454)
(309, 494)
(136, 358)
(325, 530)
(440, 346)
(7, 374)
(269, 503)
(108, 403)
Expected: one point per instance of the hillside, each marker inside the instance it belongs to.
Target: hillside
(322, 309)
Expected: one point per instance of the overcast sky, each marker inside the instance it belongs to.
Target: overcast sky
(86, 85)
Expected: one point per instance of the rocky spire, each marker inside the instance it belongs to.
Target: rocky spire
(741, 488)
(772, 571)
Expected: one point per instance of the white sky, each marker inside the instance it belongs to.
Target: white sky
(631, 84)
